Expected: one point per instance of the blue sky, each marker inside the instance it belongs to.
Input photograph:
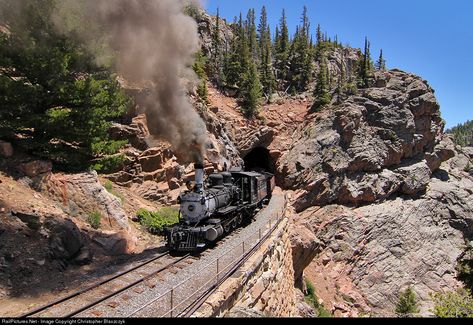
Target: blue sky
(433, 39)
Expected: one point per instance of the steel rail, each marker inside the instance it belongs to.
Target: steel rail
(134, 283)
(193, 307)
(92, 287)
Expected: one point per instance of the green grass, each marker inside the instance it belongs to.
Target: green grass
(95, 219)
(311, 299)
(155, 222)
(109, 187)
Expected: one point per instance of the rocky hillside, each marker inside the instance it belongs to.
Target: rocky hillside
(386, 194)
(382, 198)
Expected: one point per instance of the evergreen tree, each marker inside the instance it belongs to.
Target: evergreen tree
(407, 304)
(365, 67)
(243, 47)
(232, 65)
(199, 68)
(266, 64)
(319, 34)
(263, 28)
(381, 64)
(216, 54)
(322, 87)
(282, 48)
(251, 91)
(254, 47)
(300, 56)
(238, 59)
(53, 93)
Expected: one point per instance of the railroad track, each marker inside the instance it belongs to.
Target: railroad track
(85, 299)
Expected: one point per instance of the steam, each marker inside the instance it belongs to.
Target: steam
(153, 42)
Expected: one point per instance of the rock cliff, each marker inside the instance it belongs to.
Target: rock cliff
(386, 193)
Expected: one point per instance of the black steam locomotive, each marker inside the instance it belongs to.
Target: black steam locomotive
(210, 211)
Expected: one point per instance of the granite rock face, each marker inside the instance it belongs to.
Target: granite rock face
(381, 142)
(383, 197)
(384, 248)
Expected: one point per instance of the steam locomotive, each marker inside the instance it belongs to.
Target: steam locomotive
(210, 211)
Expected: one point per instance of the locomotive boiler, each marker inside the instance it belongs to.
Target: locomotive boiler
(209, 210)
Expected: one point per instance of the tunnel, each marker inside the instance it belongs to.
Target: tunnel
(259, 159)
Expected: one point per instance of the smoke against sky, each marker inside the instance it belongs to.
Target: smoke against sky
(153, 41)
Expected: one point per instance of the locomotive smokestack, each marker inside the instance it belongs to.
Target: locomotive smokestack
(199, 176)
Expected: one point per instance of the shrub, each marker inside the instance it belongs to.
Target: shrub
(453, 304)
(109, 164)
(465, 267)
(311, 299)
(407, 303)
(155, 222)
(94, 219)
(468, 168)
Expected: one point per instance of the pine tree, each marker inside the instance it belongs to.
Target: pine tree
(300, 56)
(243, 47)
(319, 34)
(199, 69)
(232, 64)
(381, 64)
(254, 47)
(282, 48)
(365, 67)
(216, 55)
(266, 65)
(407, 303)
(237, 60)
(263, 28)
(251, 91)
(322, 87)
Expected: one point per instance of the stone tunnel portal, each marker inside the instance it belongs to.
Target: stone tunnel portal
(259, 159)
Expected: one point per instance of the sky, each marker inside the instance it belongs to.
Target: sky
(430, 38)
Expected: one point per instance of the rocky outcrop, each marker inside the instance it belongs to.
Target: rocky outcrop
(383, 248)
(383, 141)
(305, 246)
(81, 194)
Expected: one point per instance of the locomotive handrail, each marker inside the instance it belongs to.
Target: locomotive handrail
(261, 238)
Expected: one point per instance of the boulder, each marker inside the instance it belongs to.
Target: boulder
(367, 148)
(114, 243)
(174, 184)
(65, 238)
(32, 220)
(151, 163)
(416, 177)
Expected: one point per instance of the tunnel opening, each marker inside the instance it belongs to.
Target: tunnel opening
(259, 159)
